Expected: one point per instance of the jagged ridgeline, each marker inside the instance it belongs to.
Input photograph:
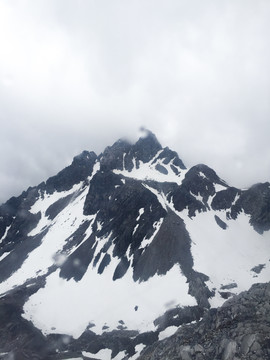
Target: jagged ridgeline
(118, 251)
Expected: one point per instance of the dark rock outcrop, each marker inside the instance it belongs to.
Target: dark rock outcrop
(221, 223)
(173, 242)
(80, 168)
(256, 202)
(200, 181)
(118, 204)
(124, 156)
(224, 199)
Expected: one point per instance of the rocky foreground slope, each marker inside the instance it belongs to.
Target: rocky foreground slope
(240, 329)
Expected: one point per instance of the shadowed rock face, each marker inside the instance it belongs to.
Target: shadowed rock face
(118, 205)
(238, 330)
(224, 199)
(19, 253)
(199, 180)
(173, 242)
(167, 156)
(256, 202)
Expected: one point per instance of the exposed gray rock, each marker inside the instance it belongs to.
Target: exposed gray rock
(178, 316)
(228, 286)
(221, 223)
(247, 342)
(239, 330)
(161, 169)
(257, 269)
(229, 350)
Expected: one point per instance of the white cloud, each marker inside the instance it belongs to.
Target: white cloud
(78, 75)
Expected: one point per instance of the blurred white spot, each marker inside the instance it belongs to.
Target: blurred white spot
(60, 259)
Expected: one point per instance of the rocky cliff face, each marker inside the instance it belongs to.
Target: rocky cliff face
(117, 251)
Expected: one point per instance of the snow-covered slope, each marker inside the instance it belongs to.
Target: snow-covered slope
(115, 241)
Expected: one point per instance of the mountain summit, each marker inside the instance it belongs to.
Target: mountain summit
(117, 251)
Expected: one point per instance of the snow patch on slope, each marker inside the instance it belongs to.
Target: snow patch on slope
(104, 354)
(227, 256)
(5, 234)
(4, 255)
(169, 331)
(147, 171)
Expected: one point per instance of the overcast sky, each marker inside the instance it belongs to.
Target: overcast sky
(78, 75)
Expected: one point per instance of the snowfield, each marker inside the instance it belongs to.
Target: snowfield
(99, 300)
(227, 256)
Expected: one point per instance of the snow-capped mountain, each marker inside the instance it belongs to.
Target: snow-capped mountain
(118, 250)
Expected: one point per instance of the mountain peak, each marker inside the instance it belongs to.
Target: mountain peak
(146, 132)
(123, 155)
(84, 157)
(147, 146)
(148, 136)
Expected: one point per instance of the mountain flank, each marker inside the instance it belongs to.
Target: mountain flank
(130, 254)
